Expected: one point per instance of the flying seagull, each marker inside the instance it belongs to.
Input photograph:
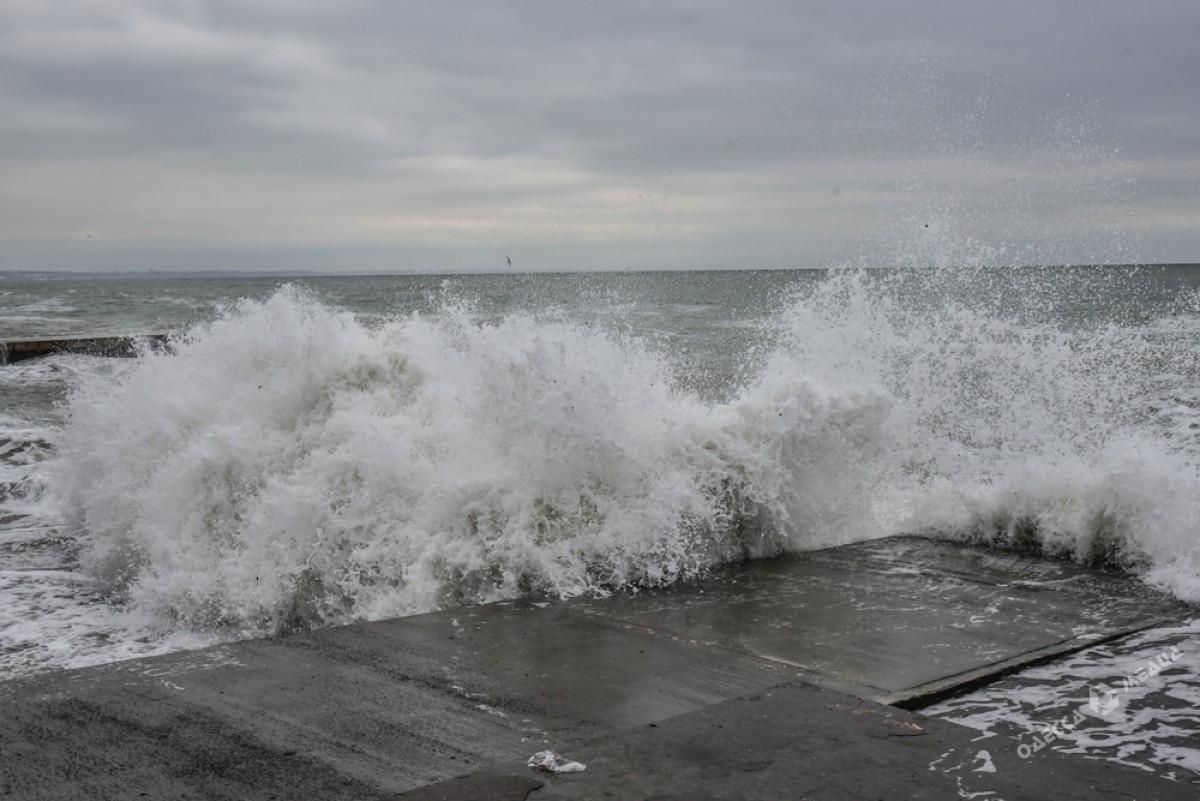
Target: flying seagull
(509, 260)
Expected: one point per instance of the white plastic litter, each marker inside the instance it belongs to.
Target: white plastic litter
(553, 763)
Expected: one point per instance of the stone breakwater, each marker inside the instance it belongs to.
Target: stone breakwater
(16, 350)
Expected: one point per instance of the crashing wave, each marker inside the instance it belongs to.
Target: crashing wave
(287, 465)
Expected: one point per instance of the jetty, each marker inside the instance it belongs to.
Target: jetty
(800, 677)
(16, 350)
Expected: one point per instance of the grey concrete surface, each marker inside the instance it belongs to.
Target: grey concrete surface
(895, 619)
(383, 707)
(376, 709)
(802, 742)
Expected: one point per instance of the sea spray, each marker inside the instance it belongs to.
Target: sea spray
(289, 466)
(1023, 416)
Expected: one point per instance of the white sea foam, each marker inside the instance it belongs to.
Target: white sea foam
(1019, 434)
(288, 466)
(1152, 724)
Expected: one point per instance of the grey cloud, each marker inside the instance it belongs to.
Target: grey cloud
(409, 111)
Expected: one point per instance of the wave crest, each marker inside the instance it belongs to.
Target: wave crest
(286, 465)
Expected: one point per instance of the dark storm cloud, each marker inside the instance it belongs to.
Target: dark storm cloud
(790, 130)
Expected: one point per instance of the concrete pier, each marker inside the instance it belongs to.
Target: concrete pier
(775, 679)
(15, 350)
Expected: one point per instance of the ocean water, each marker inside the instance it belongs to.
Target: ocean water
(324, 450)
(1134, 701)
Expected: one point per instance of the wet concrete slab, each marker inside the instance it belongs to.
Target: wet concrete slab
(845, 749)
(902, 619)
(376, 709)
(385, 707)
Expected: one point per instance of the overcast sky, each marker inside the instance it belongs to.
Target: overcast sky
(406, 136)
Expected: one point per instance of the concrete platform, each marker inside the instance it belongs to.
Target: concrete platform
(377, 709)
(905, 620)
(15, 350)
(801, 742)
